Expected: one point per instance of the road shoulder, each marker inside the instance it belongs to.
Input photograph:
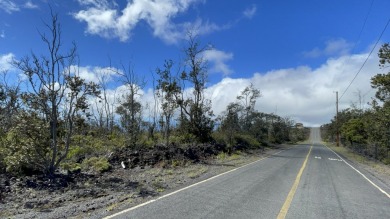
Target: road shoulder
(373, 169)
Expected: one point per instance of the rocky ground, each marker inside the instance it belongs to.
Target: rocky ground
(81, 195)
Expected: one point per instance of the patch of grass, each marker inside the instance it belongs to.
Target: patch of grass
(154, 171)
(128, 198)
(177, 163)
(222, 156)
(158, 184)
(196, 172)
(386, 161)
(112, 207)
(234, 156)
(169, 172)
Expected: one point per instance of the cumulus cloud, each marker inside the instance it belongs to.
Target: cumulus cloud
(217, 59)
(5, 61)
(104, 18)
(250, 12)
(335, 47)
(304, 94)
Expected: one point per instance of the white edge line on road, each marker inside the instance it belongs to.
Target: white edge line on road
(365, 177)
(190, 186)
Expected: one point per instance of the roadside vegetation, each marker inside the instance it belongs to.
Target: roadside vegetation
(367, 131)
(56, 122)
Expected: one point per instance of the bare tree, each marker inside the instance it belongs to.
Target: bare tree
(57, 94)
(104, 109)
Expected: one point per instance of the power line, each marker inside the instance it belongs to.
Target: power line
(371, 89)
(360, 33)
(364, 25)
(365, 61)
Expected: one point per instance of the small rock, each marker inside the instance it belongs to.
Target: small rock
(33, 195)
(29, 205)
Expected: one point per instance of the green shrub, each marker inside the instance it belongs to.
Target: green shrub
(147, 142)
(246, 141)
(182, 139)
(222, 156)
(386, 161)
(219, 138)
(177, 163)
(71, 167)
(96, 164)
(19, 152)
(77, 152)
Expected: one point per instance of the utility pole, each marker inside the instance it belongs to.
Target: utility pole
(337, 120)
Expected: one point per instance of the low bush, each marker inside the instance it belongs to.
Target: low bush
(222, 156)
(182, 139)
(220, 138)
(386, 161)
(71, 167)
(246, 141)
(95, 165)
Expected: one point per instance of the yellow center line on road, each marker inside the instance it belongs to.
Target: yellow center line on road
(283, 211)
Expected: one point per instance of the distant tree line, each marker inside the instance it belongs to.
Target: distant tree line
(367, 131)
(60, 121)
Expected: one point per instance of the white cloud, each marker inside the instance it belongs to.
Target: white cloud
(304, 94)
(2, 34)
(30, 5)
(9, 6)
(250, 12)
(218, 60)
(108, 21)
(335, 47)
(5, 61)
(95, 74)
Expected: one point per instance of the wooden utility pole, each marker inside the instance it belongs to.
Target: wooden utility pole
(337, 120)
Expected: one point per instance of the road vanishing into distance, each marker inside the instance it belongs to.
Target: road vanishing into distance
(304, 181)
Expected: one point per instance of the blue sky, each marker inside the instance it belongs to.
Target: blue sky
(296, 52)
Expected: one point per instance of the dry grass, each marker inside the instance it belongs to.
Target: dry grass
(196, 172)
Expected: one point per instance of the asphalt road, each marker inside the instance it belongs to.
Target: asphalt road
(305, 181)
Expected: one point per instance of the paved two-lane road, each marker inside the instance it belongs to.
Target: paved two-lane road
(305, 181)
